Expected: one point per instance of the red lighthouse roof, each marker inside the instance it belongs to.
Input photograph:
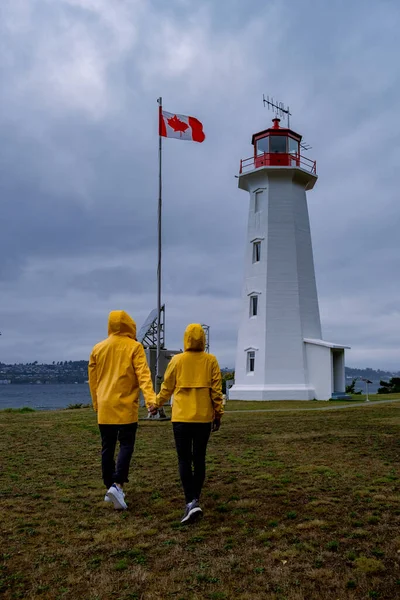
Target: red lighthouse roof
(276, 129)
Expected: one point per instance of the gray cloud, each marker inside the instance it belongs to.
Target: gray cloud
(78, 164)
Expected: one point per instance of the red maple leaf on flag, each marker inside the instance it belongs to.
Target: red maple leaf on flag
(177, 125)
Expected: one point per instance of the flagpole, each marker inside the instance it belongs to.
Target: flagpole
(158, 369)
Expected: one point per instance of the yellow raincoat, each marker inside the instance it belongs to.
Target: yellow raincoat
(194, 378)
(117, 369)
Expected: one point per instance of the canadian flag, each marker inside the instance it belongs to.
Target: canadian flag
(181, 127)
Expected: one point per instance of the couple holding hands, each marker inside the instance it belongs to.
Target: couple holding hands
(118, 370)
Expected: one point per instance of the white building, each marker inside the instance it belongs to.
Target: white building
(280, 352)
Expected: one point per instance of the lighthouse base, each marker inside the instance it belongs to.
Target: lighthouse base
(271, 392)
(324, 377)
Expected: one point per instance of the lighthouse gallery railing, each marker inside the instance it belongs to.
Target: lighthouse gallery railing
(278, 160)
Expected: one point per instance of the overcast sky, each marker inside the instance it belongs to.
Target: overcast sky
(79, 81)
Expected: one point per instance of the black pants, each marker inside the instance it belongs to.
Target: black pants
(191, 441)
(125, 435)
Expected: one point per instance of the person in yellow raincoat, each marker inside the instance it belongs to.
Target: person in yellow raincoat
(194, 379)
(117, 371)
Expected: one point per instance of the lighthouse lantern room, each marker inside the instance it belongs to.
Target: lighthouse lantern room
(280, 351)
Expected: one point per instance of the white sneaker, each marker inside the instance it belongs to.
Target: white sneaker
(116, 496)
(192, 512)
(107, 499)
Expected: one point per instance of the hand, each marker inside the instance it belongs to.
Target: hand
(153, 409)
(216, 425)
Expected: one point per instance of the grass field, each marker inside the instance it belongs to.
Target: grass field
(298, 506)
(313, 405)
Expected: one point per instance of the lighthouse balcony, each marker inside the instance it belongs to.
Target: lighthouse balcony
(278, 159)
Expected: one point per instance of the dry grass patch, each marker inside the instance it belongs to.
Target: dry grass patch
(314, 524)
(370, 566)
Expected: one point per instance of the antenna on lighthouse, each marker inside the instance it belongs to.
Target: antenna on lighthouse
(305, 146)
(278, 108)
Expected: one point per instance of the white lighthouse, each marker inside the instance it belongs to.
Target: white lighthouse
(280, 351)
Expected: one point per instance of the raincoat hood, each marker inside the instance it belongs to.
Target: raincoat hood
(120, 323)
(194, 339)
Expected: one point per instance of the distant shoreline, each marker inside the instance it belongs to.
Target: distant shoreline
(43, 383)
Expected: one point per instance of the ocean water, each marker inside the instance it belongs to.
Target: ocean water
(43, 397)
(52, 397)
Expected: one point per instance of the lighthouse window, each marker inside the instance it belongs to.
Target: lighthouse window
(257, 202)
(262, 146)
(256, 252)
(251, 361)
(293, 146)
(253, 306)
(277, 143)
